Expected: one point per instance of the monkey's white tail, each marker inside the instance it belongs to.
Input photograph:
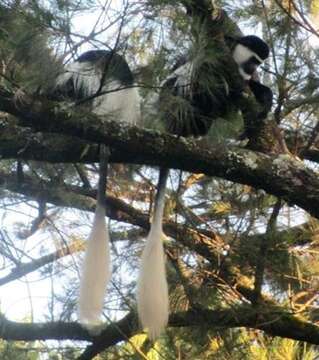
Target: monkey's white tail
(96, 271)
(152, 290)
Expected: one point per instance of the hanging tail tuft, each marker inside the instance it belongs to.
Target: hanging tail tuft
(97, 265)
(152, 289)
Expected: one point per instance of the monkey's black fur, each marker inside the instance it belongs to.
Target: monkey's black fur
(191, 99)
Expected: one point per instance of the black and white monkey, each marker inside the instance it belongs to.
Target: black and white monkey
(105, 78)
(102, 82)
(205, 93)
(194, 107)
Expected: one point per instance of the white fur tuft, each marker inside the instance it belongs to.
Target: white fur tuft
(152, 290)
(96, 272)
(120, 101)
(241, 54)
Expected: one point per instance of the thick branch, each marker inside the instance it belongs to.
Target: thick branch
(281, 176)
(118, 331)
(272, 320)
(23, 143)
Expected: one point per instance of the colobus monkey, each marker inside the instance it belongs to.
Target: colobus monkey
(194, 95)
(102, 82)
(194, 107)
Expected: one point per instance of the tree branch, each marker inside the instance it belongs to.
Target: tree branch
(201, 241)
(26, 268)
(24, 143)
(281, 176)
(274, 321)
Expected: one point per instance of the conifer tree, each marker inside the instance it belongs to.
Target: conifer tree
(241, 216)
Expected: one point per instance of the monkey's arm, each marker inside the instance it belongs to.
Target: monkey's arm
(264, 96)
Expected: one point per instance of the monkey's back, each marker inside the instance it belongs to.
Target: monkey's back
(192, 98)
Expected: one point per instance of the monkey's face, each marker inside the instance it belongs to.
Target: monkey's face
(247, 61)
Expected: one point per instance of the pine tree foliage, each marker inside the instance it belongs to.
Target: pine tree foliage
(241, 218)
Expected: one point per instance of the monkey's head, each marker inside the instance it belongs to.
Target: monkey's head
(249, 52)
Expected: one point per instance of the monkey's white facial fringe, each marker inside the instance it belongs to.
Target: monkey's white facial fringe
(96, 272)
(152, 290)
(241, 54)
